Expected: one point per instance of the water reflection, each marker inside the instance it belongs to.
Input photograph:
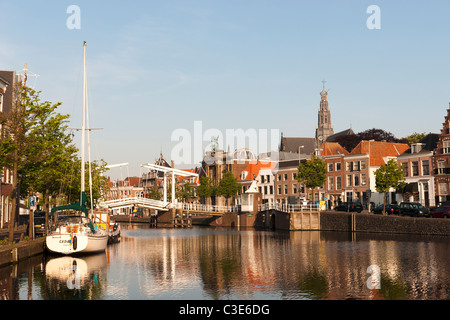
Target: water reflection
(76, 278)
(203, 263)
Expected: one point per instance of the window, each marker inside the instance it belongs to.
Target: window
(338, 166)
(405, 169)
(330, 183)
(349, 166)
(425, 167)
(279, 177)
(271, 189)
(330, 167)
(363, 164)
(279, 189)
(442, 188)
(285, 189)
(294, 176)
(262, 179)
(294, 188)
(441, 166)
(356, 180)
(446, 146)
(363, 179)
(285, 177)
(338, 183)
(349, 180)
(265, 189)
(268, 178)
(415, 168)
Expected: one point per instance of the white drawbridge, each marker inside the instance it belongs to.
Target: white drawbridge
(161, 205)
(136, 202)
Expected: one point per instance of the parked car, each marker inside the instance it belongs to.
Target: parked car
(39, 223)
(413, 209)
(440, 212)
(349, 206)
(390, 209)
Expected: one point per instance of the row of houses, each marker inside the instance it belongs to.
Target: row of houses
(350, 173)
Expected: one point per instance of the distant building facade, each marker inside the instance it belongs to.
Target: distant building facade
(417, 164)
(441, 162)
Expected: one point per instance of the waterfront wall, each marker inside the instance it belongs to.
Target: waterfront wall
(325, 221)
(20, 251)
(363, 222)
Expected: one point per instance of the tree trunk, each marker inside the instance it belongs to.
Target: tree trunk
(384, 204)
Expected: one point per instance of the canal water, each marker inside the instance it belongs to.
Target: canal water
(210, 263)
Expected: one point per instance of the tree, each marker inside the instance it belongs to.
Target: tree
(228, 186)
(154, 193)
(185, 192)
(390, 175)
(312, 173)
(206, 188)
(415, 137)
(377, 135)
(35, 143)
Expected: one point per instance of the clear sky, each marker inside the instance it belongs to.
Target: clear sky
(158, 66)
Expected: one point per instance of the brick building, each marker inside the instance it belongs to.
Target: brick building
(441, 163)
(417, 164)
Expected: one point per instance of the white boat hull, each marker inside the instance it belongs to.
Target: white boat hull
(79, 243)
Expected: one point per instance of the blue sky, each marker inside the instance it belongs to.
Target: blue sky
(157, 66)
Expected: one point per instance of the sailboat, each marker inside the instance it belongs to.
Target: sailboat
(74, 231)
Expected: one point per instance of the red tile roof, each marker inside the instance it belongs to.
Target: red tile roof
(378, 150)
(332, 148)
(254, 168)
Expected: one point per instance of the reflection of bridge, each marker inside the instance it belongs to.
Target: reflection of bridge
(137, 203)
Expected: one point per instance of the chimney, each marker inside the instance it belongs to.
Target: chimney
(172, 164)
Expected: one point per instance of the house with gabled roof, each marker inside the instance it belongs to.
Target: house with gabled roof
(333, 154)
(417, 164)
(261, 172)
(360, 167)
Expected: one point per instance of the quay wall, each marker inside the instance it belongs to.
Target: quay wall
(20, 251)
(363, 222)
(326, 221)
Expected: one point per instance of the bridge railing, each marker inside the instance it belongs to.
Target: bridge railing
(206, 207)
(289, 207)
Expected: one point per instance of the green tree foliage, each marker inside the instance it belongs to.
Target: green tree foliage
(415, 137)
(206, 188)
(37, 146)
(154, 193)
(228, 186)
(312, 173)
(185, 192)
(390, 175)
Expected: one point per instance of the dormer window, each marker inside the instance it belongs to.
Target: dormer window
(417, 147)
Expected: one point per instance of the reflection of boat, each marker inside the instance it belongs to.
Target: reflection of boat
(70, 273)
(76, 233)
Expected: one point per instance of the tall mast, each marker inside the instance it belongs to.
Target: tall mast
(83, 127)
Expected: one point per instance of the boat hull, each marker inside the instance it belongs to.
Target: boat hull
(68, 244)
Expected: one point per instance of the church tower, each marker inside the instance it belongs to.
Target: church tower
(324, 128)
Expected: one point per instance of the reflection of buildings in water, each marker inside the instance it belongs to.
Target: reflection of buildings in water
(293, 265)
(82, 277)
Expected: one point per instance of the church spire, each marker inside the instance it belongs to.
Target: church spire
(324, 128)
